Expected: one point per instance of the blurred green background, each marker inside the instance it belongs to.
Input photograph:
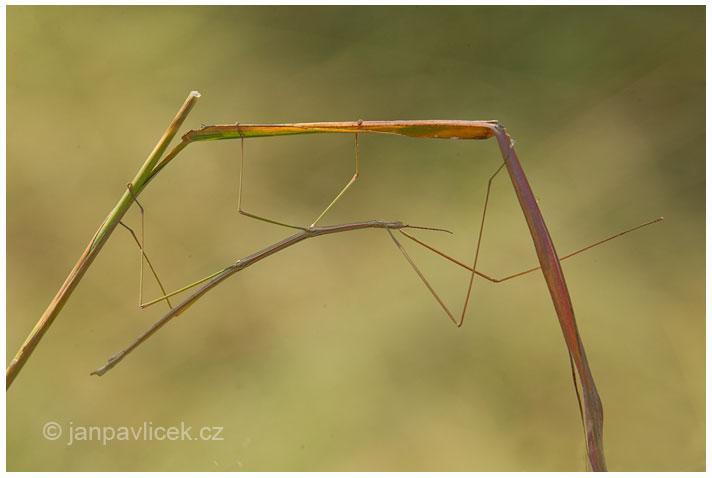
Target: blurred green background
(332, 355)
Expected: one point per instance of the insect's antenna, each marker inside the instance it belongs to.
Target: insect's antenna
(143, 255)
(477, 247)
(348, 185)
(422, 277)
(438, 252)
(239, 191)
(425, 228)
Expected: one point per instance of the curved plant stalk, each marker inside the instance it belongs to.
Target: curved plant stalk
(97, 242)
(554, 276)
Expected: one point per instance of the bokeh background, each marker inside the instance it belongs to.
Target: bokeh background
(332, 355)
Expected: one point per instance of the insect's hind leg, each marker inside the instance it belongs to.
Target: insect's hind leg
(239, 196)
(477, 246)
(497, 280)
(453, 319)
(422, 277)
(143, 255)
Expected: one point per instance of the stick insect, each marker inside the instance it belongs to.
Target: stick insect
(549, 262)
(457, 320)
(392, 229)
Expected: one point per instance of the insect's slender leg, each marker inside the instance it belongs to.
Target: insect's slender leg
(477, 247)
(183, 289)
(167, 295)
(473, 268)
(143, 255)
(348, 185)
(533, 269)
(239, 196)
(455, 321)
(422, 277)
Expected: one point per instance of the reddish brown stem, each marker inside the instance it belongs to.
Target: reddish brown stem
(554, 276)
